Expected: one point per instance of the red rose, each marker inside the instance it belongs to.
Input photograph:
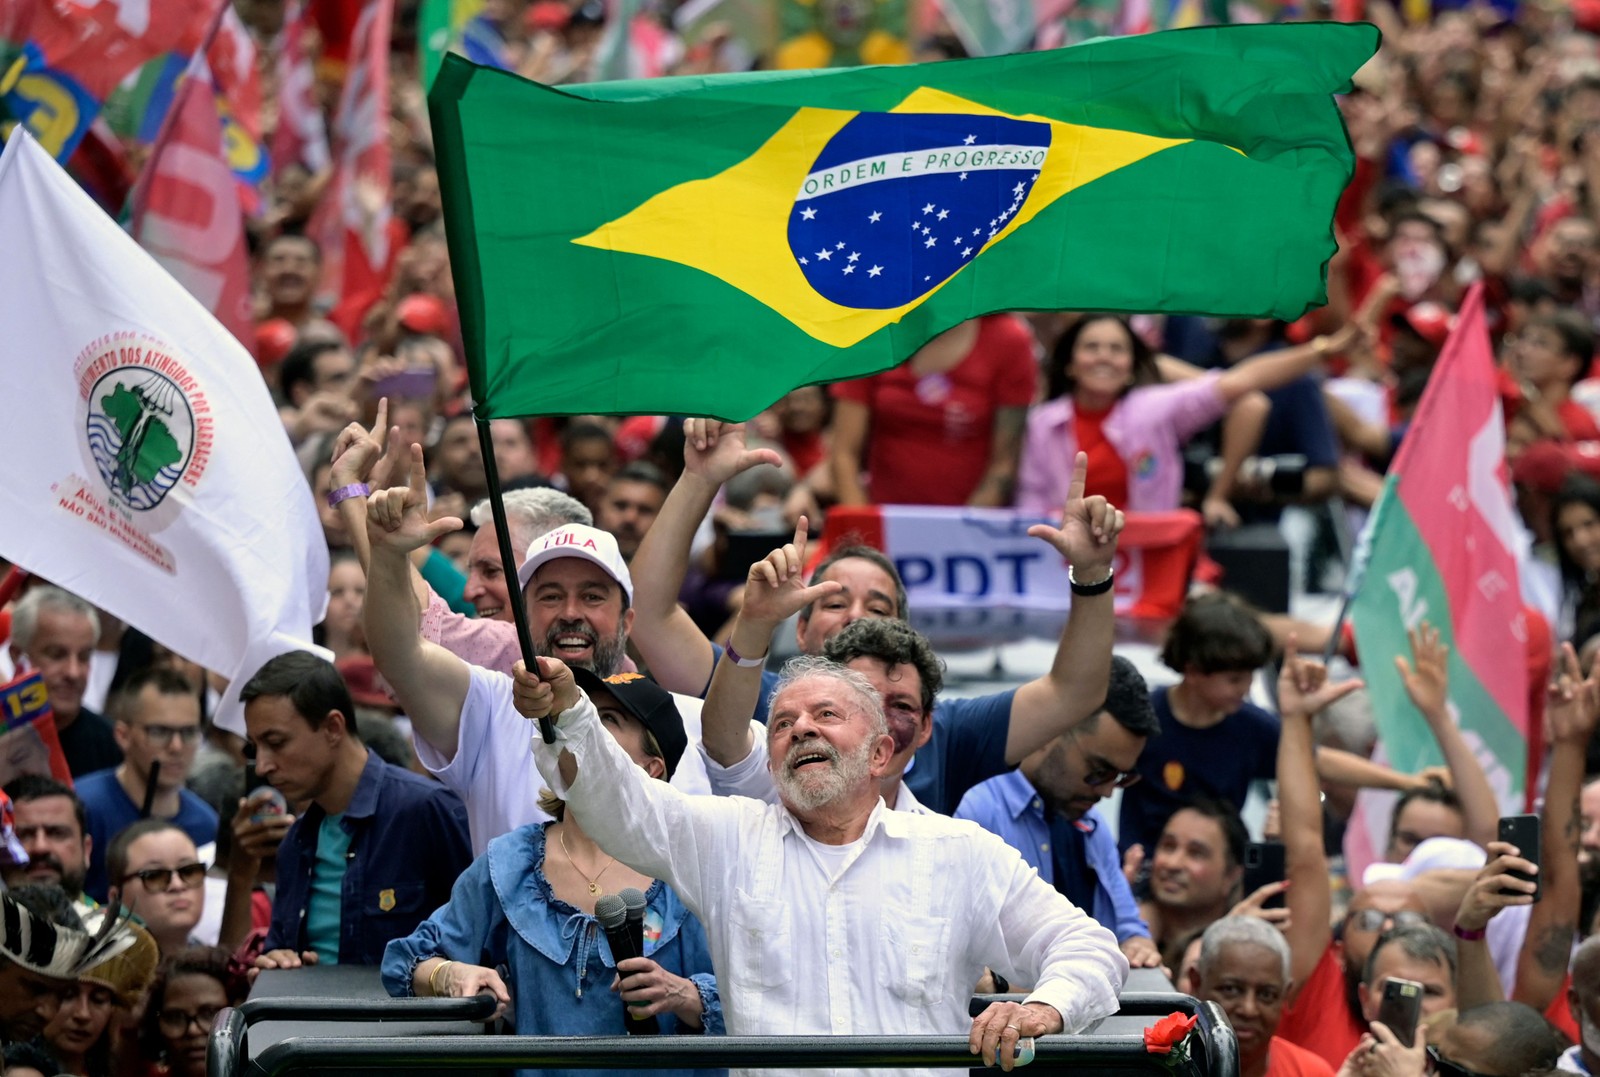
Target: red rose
(1161, 1037)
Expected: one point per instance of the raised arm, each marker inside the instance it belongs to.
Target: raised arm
(646, 824)
(775, 590)
(678, 653)
(1572, 709)
(1428, 684)
(1303, 691)
(1272, 369)
(368, 456)
(1477, 978)
(430, 682)
(1075, 687)
(851, 421)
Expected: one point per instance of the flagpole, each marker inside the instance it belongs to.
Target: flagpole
(1352, 583)
(519, 609)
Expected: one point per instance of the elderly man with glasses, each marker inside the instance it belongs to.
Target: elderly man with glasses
(158, 728)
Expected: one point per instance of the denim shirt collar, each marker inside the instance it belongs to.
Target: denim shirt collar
(544, 921)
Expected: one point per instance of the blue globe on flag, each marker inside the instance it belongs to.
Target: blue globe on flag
(898, 203)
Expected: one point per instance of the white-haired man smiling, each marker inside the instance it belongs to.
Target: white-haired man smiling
(828, 913)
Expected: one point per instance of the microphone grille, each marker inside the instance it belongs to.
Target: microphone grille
(610, 910)
(633, 898)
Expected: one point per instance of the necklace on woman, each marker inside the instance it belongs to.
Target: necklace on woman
(594, 883)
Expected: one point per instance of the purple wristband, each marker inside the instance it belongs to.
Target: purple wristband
(345, 493)
(747, 663)
(1467, 934)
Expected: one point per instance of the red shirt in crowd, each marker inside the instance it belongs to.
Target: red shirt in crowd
(1284, 1059)
(930, 437)
(1107, 471)
(1319, 1018)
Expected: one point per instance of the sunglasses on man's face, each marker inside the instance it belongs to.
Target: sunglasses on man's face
(156, 880)
(1374, 919)
(1443, 1067)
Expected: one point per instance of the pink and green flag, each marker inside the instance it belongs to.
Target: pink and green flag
(1442, 548)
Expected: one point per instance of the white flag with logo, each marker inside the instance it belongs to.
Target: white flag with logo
(147, 469)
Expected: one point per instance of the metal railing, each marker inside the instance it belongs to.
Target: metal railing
(1214, 1050)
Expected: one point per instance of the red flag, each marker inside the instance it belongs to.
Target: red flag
(186, 207)
(232, 57)
(301, 136)
(76, 53)
(353, 224)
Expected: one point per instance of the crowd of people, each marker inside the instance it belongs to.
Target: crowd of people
(837, 843)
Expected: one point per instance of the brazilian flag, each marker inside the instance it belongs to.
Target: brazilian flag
(701, 245)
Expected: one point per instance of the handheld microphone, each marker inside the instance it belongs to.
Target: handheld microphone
(612, 912)
(633, 898)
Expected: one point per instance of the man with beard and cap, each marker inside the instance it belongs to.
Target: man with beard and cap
(489, 639)
(828, 913)
(578, 594)
(1045, 809)
(52, 826)
(44, 948)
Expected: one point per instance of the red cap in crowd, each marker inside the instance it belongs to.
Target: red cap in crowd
(1430, 321)
(423, 314)
(274, 338)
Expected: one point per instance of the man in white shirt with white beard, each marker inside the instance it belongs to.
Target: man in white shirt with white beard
(829, 913)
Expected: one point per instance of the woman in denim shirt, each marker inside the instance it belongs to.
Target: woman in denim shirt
(520, 922)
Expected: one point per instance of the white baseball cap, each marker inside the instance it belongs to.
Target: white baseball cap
(576, 540)
(1432, 854)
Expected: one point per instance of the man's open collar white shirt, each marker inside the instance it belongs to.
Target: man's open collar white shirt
(886, 936)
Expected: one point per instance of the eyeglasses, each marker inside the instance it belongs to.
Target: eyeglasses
(1101, 772)
(1442, 1066)
(177, 1022)
(163, 734)
(1374, 919)
(158, 879)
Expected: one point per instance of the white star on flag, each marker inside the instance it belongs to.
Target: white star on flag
(874, 271)
(969, 140)
(803, 261)
(849, 270)
(966, 252)
(839, 246)
(928, 208)
(943, 213)
(963, 175)
(824, 254)
(875, 217)
(807, 214)
(855, 256)
(1018, 189)
(931, 241)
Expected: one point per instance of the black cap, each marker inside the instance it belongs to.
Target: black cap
(647, 701)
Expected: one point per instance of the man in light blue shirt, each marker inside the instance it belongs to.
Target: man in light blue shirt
(1045, 809)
